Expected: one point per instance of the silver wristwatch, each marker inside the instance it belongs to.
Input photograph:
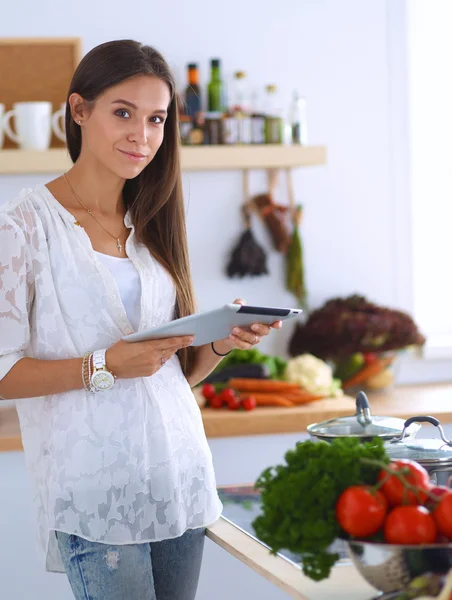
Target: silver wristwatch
(101, 379)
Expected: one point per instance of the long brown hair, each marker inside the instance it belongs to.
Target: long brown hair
(154, 197)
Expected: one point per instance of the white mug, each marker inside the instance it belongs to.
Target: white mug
(33, 124)
(57, 128)
(2, 112)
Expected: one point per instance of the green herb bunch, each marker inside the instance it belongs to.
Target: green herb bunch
(299, 498)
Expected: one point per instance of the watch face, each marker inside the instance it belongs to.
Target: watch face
(102, 380)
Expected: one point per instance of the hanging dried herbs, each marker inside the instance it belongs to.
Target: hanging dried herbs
(295, 281)
(274, 216)
(248, 258)
(295, 277)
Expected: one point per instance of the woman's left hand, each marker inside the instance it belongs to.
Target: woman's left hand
(244, 339)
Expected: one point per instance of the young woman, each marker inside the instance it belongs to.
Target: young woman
(121, 471)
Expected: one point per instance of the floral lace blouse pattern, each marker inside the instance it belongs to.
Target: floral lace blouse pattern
(124, 466)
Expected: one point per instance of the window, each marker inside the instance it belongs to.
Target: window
(429, 53)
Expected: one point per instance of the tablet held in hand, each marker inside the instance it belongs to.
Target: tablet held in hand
(216, 324)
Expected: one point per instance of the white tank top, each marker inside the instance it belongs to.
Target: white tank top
(129, 285)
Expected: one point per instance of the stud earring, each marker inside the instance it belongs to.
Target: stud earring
(79, 122)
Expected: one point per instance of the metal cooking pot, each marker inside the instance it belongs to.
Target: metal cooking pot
(434, 454)
(362, 425)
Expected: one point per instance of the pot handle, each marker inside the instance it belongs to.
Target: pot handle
(363, 409)
(425, 419)
(422, 419)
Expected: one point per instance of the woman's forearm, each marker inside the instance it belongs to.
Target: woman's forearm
(206, 361)
(31, 377)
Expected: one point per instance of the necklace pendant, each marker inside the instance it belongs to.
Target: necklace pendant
(118, 246)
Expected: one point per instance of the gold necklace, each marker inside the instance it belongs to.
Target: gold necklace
(118, 243)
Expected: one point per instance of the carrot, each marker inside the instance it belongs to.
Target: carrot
(303, 397)
(262, 385)
(268, 399)
(368, 371)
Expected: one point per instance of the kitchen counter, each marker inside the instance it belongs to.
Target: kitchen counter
(402, 401)
(344, 583)
(235, 534)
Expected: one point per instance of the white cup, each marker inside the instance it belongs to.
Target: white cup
(2, 112)
(58, 129)
(33, 124)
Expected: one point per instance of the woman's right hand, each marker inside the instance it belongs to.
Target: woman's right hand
(127, 360)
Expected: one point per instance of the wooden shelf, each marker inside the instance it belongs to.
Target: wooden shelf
(251, 157)
(202, 158)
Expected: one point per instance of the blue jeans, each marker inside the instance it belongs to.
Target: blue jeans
(166, 570)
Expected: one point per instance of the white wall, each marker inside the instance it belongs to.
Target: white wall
(335, 53)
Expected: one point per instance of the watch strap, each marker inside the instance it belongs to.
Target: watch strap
(99, 359)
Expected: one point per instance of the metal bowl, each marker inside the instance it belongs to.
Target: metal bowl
(391, 567)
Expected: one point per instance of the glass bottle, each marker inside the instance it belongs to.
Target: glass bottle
(274, 124)
(240, 100)
(298, 120)
(257, 120)
(193, 91)
(215, 88)
(241, 108)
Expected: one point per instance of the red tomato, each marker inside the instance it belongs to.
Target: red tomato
(443, 515)
(370, 357)
(249, 403)
(234, 403)
(227, 394)
(216, 402)
(360, 511)
(438, 491)
(394, 490)
(410, 525)
(208, 391)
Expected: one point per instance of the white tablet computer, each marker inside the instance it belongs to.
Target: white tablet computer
(216, 324)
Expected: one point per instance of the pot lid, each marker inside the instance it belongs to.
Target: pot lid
(428, 452)
(362, 424)
(384, 427)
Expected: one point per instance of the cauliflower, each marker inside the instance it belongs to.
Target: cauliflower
(313, 374)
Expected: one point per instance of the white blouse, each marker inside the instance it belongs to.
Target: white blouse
(123, 466)
(129, 285)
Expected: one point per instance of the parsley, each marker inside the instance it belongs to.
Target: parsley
(299, 498)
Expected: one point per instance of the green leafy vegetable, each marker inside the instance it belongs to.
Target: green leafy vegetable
(275, 364)
(299, 498)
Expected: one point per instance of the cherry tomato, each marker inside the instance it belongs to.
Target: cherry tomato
(394, 490)
(370, 357)
(208, 391)
(227, 394)
(249, 403)
(361, 511)
(216, 402)
(410, 525)
(443, 515)
(233, 403)
(438, 491)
